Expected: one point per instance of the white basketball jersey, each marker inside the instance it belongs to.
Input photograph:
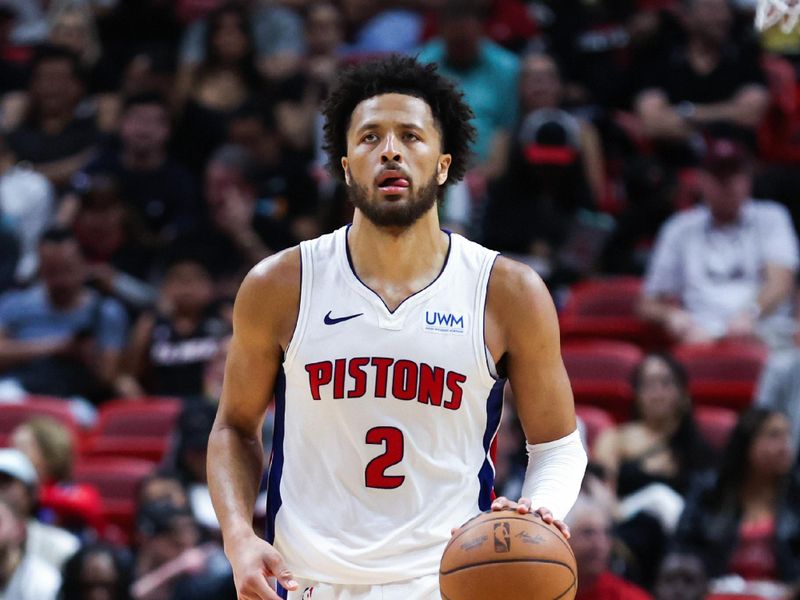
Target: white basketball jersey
(384, 420)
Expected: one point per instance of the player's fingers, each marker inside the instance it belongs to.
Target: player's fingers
(523, 506)
(255, 587)
(563, 528)
(502, 503)
(545, 514)
(277, 568)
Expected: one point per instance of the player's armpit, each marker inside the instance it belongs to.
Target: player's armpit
(522, 324)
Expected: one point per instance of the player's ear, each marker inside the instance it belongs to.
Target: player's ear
(442, 168)
(346, 170)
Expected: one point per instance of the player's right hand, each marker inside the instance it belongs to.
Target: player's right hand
(253, 560)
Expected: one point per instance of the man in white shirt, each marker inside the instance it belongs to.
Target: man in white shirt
(726, 268)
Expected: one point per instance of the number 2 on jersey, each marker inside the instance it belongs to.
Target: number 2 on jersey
(375, 474)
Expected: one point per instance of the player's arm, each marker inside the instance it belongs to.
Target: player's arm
(522, 325)
(263, 319)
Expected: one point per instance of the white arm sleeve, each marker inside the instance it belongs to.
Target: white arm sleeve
(554, 475)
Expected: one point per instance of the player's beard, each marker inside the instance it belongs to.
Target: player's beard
(394, 213)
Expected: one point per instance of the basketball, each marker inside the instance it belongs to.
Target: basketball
(508, 555)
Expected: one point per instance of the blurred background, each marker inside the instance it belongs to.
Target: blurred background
(641, 155)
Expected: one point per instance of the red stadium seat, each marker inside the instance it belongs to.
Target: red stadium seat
(117, 480)
(723, 374)
(134, 428)
(715, 424)
(14, 415)
(596, 420)
(606, 308)
(600, 372)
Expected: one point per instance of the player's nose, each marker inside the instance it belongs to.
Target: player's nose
(390, 151)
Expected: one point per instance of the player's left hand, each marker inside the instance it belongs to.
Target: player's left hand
(523, 506)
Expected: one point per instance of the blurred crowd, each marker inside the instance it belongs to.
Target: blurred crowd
(153, 151)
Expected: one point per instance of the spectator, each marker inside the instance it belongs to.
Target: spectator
(194, 427)
(681, 577)
(778, 389)
(275, 29)
(96, 572)
(728, 264)
(710, 81)
(222, 83)
(26, 206)
(76, 507)
(654, 457)
(639, 538)
(590, 525)
(172, 562)
(284, 181)
(22, 576)
(163, 486)
(162, 193)
(72, 25)
(488, 75)
(535, 207)
(170, 346)
(60, 337)
(53, 136)
(18, 488)
(298, 98)
(240, 230)
(541, 88)
(745, 520)
(113, 242)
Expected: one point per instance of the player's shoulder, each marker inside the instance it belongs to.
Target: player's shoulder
(516, 290)
(515, 279)
(275, 269)
(274, 279)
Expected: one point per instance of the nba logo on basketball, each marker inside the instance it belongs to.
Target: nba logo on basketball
(502, 537)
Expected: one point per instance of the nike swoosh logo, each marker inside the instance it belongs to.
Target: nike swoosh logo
(334, 320)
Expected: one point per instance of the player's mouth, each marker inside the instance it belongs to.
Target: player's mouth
(392, 182)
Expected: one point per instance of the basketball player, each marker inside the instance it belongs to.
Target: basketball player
(385, 345)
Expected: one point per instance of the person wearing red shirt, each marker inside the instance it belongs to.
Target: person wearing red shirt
(590, 524)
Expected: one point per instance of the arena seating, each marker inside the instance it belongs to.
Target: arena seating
(14, 414)
(715, 424)
(723, 374)
(600, 372)
(606, 308)
(134, 428)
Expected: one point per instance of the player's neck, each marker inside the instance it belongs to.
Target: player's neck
(404, 261)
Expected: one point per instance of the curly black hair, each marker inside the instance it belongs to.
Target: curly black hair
(404, 75)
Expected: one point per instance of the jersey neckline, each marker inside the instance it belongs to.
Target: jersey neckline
(368, 292)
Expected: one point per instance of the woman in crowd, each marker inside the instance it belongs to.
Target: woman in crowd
(210, 92)
(746, 521)
(50, 448)
(654, 457)
(96, 572)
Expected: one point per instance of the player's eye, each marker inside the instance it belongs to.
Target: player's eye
(369, 138)
(411, 137)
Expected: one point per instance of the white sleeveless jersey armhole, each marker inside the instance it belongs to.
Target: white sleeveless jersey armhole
(385, 421)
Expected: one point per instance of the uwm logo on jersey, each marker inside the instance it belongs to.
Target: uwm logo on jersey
(382, 377)
(443, 322)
